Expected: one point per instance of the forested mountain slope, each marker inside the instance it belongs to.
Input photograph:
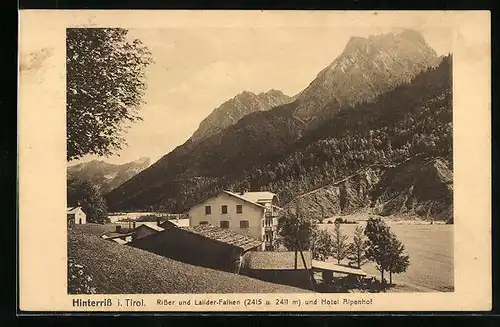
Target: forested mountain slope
(275, 150)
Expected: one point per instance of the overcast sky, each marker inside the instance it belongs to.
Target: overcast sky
(196, 70)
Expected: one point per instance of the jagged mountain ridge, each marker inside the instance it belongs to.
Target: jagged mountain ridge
(366, 68)
(258, 152)
(231, 111)
(105, 175)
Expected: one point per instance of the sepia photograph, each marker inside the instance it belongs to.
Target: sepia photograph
(254, 161)
(335, 179)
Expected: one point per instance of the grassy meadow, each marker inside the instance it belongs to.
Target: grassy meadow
(123, 269)
(431, 255)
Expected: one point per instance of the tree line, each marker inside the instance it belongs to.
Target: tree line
(375, 243)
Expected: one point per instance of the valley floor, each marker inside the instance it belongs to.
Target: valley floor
(431, 255)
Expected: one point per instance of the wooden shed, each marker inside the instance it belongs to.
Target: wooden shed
(202, 245)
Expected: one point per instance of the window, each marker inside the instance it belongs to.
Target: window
(224, 209)
(203, 222)
(224, 224)
(208, 210)
(244, 224)
(239, 208)
(262, 222)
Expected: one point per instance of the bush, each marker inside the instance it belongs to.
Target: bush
(79, 281)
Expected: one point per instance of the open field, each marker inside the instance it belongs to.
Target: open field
(431, 255)
(122, 269)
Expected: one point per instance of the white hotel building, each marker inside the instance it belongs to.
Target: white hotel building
(250, 213)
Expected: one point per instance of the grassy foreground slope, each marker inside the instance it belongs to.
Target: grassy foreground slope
(122, 269)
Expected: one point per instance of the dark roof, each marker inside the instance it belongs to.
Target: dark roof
(276, 260)
(224, 235)
(72, 210)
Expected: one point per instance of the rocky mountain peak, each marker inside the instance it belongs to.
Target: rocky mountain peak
(365, 69)
(231, 111)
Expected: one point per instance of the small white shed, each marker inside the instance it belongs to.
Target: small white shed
(76, 216)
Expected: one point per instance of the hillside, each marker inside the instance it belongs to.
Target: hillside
(417, 187)
(275, 150)
(105, 175)
(231, 111)
(122, 269)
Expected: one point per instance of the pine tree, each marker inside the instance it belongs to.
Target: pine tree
(398, 260)
(340, 244)
(322, 245)
(357, 248)
(378, 244)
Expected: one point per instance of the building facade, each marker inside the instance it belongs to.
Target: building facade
(254, 214)
(76, 215)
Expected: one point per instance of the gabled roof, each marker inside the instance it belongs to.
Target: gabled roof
(253, 197)
(174, 222)
(243, 198)
(152, 226)
(276, 260)
(224, 236)
(72, 210)
(258, 196)
(249, 197)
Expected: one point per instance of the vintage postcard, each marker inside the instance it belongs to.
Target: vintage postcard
(254, 161)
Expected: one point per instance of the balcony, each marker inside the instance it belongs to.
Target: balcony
(270, 214)
(269, 228)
